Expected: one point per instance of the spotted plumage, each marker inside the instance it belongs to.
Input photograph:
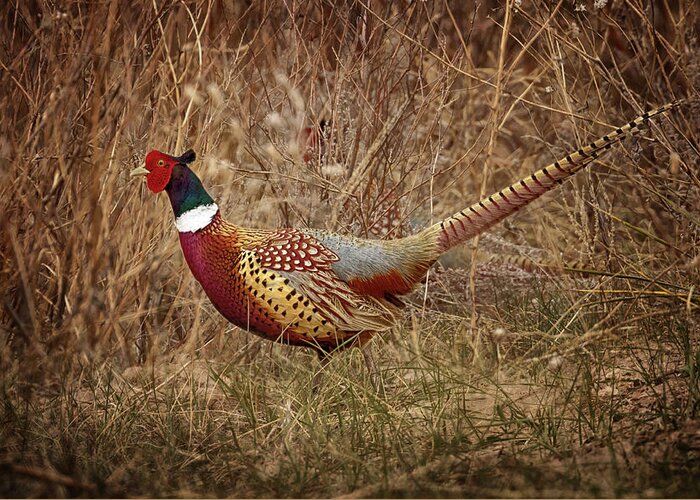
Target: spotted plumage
(281, 285)
(318, 289)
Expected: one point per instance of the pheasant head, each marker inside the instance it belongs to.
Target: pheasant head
(192, 205)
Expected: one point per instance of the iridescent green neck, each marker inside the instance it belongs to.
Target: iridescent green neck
(185, 191)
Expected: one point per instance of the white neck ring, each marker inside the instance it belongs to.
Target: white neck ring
(196, 218)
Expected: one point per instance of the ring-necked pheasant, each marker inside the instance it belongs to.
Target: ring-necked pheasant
(313, 288)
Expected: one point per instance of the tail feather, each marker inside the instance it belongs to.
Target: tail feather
(477, 218)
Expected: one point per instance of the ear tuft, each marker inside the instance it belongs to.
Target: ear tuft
(187, 157)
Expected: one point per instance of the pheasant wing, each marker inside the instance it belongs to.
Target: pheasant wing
(326, 306)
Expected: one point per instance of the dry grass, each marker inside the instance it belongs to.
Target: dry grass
(118, 378)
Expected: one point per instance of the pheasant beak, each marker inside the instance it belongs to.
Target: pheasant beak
(138, 172)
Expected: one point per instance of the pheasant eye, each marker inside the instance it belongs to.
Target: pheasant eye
(161, 163)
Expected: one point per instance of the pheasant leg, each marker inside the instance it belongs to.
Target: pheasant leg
(374, 375)
(323, 360)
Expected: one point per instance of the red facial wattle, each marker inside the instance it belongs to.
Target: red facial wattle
(158, 178)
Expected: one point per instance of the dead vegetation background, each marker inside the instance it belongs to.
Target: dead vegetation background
(117, 378)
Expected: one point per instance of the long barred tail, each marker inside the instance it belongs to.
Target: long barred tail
(475, 219)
